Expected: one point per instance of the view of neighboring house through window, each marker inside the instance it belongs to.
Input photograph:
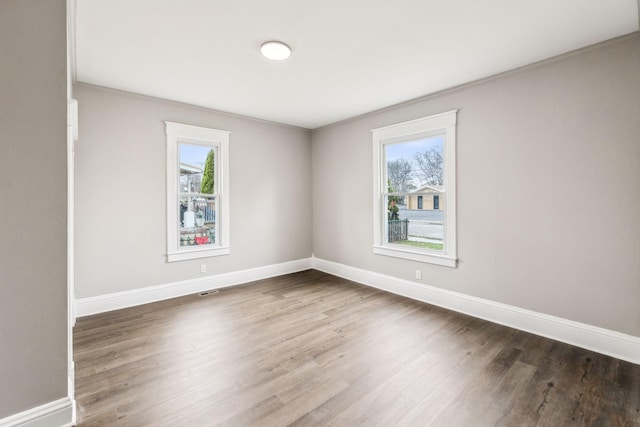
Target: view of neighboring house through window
(197, 199)
(414, 205)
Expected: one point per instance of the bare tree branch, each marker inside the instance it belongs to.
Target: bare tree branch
(430, 166)
(401, 174)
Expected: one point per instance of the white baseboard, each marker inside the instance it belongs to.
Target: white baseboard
(58, 413)
(115, 301)
(605, 341)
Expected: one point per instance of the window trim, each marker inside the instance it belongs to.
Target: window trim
(180, 133)
(443, 123)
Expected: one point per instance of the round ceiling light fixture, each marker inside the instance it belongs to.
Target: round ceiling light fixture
(275, 50)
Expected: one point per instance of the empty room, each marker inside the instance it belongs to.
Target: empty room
(364, 213)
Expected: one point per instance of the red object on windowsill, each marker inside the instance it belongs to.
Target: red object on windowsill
(202, 240)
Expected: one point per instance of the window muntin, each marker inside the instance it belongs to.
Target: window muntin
(197, 192)
(414, 200)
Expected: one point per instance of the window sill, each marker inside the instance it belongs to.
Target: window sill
(416, 256)
(198, 253)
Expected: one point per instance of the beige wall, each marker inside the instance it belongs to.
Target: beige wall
(120, 192)
(33, 211)
(568, 127)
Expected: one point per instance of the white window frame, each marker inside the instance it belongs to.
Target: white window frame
(178, 133)
(439, 124)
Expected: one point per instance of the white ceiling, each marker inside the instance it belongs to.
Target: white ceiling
(349, 57)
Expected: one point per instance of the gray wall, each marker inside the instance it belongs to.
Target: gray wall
(120, 183)
(33, 211)
(548, 188)
(548, 195)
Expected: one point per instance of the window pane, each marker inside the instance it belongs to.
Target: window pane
(197, 169)
(197, 220)
(412, 165)
(418, 228)
(415, 173)
(196, 198)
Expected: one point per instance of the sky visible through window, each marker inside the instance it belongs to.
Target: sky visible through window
(408, 150)
(415, 163)
(194, 155)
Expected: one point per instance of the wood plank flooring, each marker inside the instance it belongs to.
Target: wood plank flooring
(310, 349)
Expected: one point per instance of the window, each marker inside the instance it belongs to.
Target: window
(197, 192)
(414, 205)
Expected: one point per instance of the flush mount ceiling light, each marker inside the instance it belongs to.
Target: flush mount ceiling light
(275, 50)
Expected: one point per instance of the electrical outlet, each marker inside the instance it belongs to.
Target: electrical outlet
(203, 268)
(418, 274)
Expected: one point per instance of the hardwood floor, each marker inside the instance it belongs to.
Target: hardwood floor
(310, 349)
